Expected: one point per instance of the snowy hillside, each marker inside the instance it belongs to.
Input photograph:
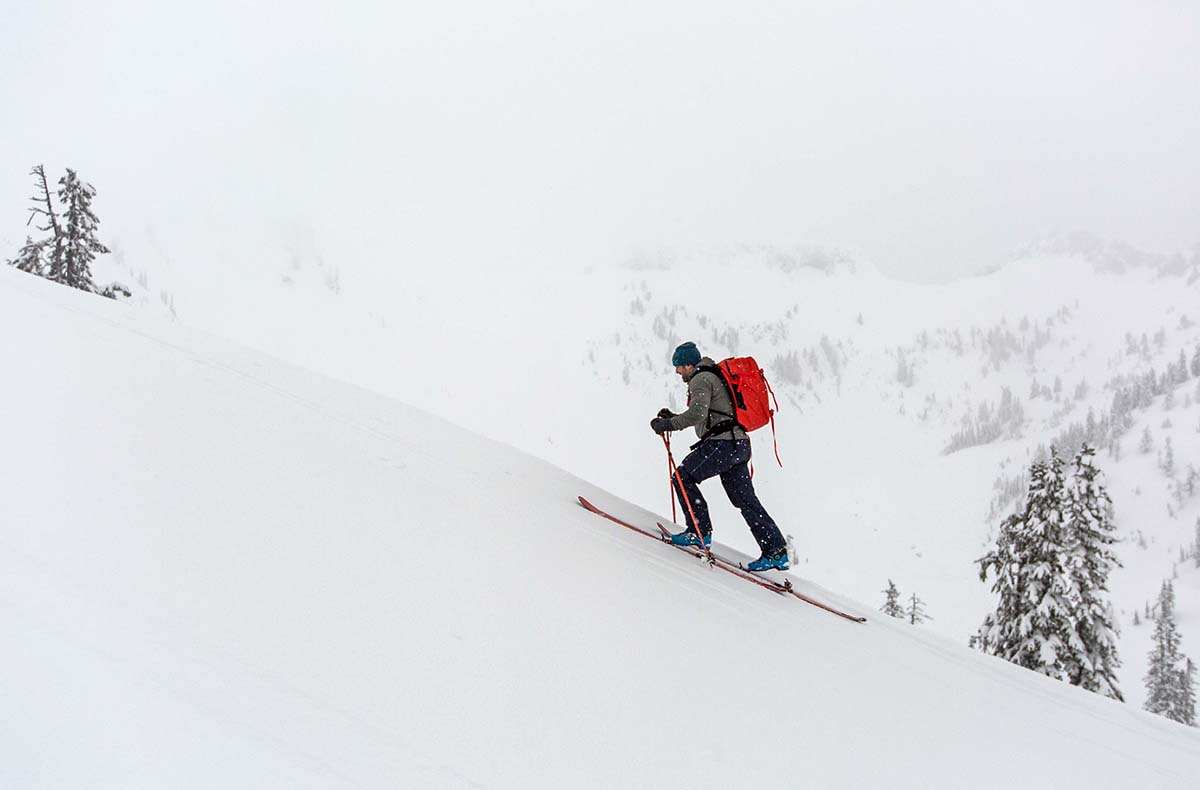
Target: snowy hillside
(220, 570)
(877, 380)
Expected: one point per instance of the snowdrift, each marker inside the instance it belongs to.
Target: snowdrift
(219, 570)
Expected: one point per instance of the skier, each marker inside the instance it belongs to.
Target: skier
(723, 449)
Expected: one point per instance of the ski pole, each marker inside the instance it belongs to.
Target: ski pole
(667, 440)
(686, 499)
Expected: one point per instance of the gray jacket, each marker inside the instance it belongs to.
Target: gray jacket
(708, 405)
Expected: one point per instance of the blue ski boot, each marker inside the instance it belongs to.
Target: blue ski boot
(770, 562)
(688, 538)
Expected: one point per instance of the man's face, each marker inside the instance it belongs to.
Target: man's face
(685, 372)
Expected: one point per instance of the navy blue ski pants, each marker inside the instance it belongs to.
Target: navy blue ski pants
(730, 459)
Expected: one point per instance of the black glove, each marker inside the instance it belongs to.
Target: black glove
(666, 414)
(660, 425)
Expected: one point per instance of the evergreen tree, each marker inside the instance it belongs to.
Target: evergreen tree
(1168, 464)
(1170, 681)
(29, 259)
(904, 370)
(32, 256)
(1159, 678)
(1091, 534)
(80, 245)
(1032, 582)
(1196, 548)
(891, 605)
(1147, 443)
(1136, 620)
(43, 205)
(1051, 564)
(1187, 707)
(916, 611)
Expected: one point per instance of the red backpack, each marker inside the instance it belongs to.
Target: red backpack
(748, 390)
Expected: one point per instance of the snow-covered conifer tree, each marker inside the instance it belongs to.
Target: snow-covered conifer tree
(1196, 548)
(1196, 362)
(40, 256)
(916, 613)
(1168, 464)
(1092, 637)
(1051, 564)
(1188, 707)
(1032, 582)
(1170, 683)
(43, 204)
(29, 259)
(79, 243)
(891, 605)
(904, 370)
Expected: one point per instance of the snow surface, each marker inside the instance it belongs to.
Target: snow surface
(221, 570)
(569, 364)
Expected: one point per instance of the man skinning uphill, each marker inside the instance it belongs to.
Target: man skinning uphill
(724, 450)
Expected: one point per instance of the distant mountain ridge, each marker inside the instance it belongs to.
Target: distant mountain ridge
(1115, 256)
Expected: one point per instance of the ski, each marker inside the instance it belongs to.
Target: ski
(716, 561)
(785, 586)
(764, 583)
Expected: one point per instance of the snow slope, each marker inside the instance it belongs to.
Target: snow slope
(220, 570)
(568, 363)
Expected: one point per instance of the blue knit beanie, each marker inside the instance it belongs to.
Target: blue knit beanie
(687, 354)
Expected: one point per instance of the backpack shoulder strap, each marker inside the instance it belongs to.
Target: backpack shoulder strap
(730, 422)
(715, 370)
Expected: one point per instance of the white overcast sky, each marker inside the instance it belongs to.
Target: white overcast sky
(934, 138)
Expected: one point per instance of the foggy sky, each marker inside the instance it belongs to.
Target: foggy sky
(933, 138)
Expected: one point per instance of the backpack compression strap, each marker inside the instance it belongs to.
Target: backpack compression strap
(774, 438)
